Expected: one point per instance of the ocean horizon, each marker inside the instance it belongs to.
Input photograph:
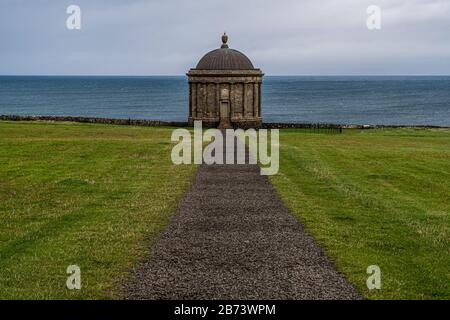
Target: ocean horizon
(377, 100)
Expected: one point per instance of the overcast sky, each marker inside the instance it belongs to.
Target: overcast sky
(282, 37)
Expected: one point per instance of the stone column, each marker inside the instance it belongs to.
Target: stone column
(199, 102)
(210, 99)
(217, 108)
(244, 100)
(232, 104)
(255, 100)
(193, 92)
(190, 99)
(205, 89)
(249, 100)
(259, 100)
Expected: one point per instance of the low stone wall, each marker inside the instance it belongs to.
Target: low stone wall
(133, 122)
(155, 123)
(343, 126)
(281, 125)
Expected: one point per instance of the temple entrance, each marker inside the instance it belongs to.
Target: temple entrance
(225, 122)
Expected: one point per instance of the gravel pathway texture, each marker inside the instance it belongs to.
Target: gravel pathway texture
(233, 238)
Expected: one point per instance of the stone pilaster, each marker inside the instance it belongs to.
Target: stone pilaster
(193, 87)
(255, 100)
(217, 112)
(259, 100)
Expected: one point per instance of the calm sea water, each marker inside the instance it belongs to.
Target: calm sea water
(359, 100)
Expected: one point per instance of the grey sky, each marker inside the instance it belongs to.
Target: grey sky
(145, 37)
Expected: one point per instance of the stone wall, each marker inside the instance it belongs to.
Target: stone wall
(281, 125)
(155, 123)
(134, 122)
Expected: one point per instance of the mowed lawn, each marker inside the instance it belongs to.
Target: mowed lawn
(81, 194)
(97, 195)
(375, 197)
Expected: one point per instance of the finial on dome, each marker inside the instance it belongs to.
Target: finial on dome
(224, 40)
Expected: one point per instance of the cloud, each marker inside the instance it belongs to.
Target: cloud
(141, 37)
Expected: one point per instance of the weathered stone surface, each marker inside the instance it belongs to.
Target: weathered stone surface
(232, 87)
(134, 122)
(155, 123)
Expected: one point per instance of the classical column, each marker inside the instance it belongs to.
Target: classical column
(217, 108)
(259, 100)
(190, 99)
(193, 92)
(249, 100)
(231, 97)
(244, 100)
(255, 100)
(210, 99)
(205, 100)
(206, 109)
(199, 102)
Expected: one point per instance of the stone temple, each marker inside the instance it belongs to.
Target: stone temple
(225, 90)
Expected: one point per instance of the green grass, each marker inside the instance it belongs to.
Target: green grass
(97, 195)
(375, 197)
(83, 194)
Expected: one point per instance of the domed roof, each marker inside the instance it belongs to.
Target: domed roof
(225, 59)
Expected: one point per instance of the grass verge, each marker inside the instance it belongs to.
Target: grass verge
(375, 197)
(81, 194)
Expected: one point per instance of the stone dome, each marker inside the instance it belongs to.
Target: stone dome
(225, 58)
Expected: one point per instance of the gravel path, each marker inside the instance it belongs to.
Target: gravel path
(232, 238)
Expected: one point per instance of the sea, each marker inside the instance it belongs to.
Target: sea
(387, 100)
